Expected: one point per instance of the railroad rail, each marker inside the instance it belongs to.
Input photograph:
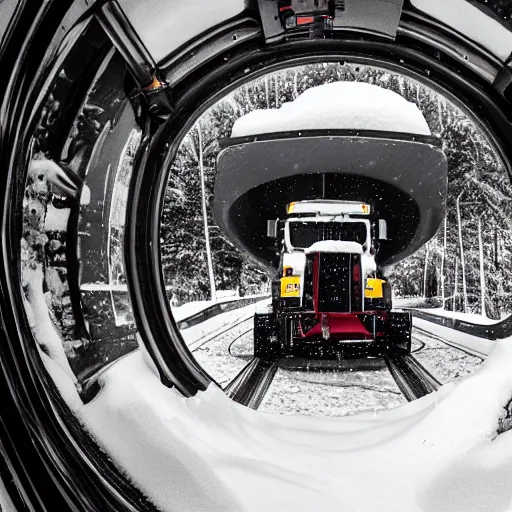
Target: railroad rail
(413, 380)
(472, 351)
(251, 384)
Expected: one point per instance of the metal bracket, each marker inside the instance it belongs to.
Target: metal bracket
(138, 60)
(273, 29)
(318, 18)
(503, 81)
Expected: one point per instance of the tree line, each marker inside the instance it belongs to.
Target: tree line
(463, 264)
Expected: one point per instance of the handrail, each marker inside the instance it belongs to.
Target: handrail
(217, 309)
(495, 331)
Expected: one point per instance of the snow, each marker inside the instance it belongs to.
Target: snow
(6, 504)
(327, 207)
(470, 21)
(209, 327)
(190, 308)
(223, 294)
(296, 260)
(439, 453)
(436, 454)
(85, 195)
(336, 246)
(446, 363)
(338, 105)
(334, 393)
(103, 287)
(56, 218)
(369, 263)
(40, 322)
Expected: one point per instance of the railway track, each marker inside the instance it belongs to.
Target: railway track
(250, 386)
(413, 379)
(212, 351)
(245, 319)
(254, 377)
(454, 344)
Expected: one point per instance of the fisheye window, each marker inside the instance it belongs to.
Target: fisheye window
(255, 256)
(335, 189)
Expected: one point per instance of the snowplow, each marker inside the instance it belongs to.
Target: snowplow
(330, 300)
(372, 159)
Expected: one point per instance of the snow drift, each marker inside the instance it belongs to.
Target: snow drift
(439, 453)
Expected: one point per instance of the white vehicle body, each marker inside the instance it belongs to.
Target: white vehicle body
(325, 211)
(342, 212)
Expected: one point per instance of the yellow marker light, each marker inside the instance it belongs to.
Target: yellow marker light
(290, 286)
(373, 288)
(290, 207)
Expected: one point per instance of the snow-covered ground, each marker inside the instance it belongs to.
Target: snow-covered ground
(350, 105)
(191, 308)
(197, 332)
(331, 393)
(474, 345)
(446, 363)
(436, 454)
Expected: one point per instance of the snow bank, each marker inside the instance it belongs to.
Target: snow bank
(338, 105)
(190, 308)
(208, 453)
(336, 246)
(209, 327)
(437, 454)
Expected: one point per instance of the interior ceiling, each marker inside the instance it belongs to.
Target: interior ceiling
(487, 23)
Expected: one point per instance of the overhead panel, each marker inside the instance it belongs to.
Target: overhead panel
(165, 25)
(470, 22)
(380, 17)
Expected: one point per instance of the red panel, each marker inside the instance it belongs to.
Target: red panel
(342, 326)
(304, 20)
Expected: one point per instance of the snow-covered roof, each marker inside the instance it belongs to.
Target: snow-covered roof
(336, 246)
(337, 106)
